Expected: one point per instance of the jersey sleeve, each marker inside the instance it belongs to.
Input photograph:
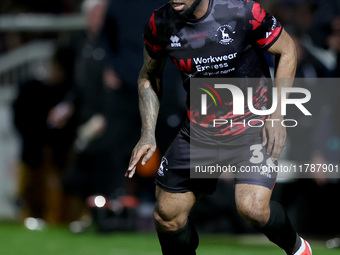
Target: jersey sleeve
(152, 40)
(264, 29)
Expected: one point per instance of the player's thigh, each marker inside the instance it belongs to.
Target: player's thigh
(252, 201)
(174, 206)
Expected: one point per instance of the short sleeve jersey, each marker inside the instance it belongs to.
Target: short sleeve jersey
(228, 41)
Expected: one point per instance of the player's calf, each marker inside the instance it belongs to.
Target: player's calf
(255, 213)
(182, 241)
(252, 202)
(280, 231)
(164, 222)
(176, 233)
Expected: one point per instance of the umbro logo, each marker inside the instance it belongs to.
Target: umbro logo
(175, 41)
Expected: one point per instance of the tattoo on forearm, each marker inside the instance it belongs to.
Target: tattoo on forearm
(149, 87)
(148, 105)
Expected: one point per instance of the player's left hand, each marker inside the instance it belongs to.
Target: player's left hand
(143, 151)
(274, 137)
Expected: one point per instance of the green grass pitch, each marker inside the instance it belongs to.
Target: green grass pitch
(16, 240)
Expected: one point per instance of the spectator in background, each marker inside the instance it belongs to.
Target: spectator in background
(294, 12)
(122, 37)
(38, 6)
(106, 121)
(45, 150)
(325, 33)
(308, 66)
(104, 99)
(325, 29)
(11, 39)
(315, 138)
(94, 166)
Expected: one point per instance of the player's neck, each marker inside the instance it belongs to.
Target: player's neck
(201, 9)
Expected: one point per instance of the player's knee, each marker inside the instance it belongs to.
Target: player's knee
(255, 213)
(167, 222)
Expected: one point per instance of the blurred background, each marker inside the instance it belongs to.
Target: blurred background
(69, 118)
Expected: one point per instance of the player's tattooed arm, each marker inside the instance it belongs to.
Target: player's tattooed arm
(150, 90)
(275, 137)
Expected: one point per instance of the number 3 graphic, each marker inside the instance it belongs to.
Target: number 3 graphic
(257, 154)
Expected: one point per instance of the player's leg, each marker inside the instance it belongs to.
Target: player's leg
(176, 233)
(176, 194)
(252, 202)
(254, 205)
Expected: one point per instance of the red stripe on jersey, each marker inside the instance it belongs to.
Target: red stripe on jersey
(206, 120)
(152, 24)
(263, 91)
(258, 14)
(231, 115)
(189, 114)
(155, 48)
(274, 34)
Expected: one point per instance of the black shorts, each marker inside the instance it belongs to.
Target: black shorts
(191, 166)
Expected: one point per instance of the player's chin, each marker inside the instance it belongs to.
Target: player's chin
(179, 12)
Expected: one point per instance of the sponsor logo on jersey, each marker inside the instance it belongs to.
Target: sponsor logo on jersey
(183, 65)
(175, 41)
(224, 34)
(214, 59)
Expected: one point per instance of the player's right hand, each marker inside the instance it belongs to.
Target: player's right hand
(145, 147)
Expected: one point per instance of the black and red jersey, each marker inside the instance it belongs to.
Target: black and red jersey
(228, 41)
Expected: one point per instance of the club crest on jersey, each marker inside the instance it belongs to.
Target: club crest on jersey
(162, 166)
(224, 34)
(175, 41)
